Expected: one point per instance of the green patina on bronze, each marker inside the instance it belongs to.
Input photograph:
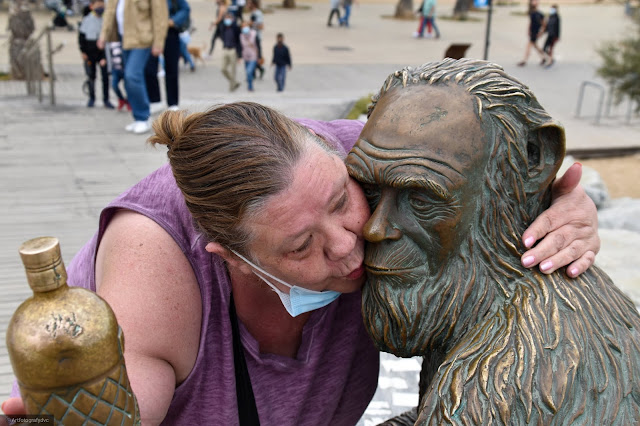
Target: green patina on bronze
(502, 344)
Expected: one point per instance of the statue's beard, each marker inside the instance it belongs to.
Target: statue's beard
(407, 314)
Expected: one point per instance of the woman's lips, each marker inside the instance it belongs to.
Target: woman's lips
(356, 273)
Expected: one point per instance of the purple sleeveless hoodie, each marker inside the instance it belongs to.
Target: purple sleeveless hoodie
(335, 373)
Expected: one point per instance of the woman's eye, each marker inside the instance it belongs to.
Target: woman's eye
(303, 247)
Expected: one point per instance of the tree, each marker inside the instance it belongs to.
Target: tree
(621, 65)
(404, 9)
(461, 9)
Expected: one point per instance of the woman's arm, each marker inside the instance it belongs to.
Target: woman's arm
(150, 285)
(567, 230)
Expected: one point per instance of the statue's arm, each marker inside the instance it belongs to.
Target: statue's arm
(567, 231)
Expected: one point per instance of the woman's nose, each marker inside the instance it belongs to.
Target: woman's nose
(379, 227)
(341, 244)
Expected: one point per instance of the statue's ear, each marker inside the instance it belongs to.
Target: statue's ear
(545, 152)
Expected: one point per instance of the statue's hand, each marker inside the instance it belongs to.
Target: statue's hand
(569, 229)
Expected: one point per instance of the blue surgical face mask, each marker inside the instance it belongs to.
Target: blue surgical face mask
(246, 30)
(228, 21)
(552, 11)
(299, 300)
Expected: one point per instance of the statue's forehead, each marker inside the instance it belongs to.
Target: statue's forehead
(434, 122)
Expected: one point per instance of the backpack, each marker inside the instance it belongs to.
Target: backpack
(187, 22)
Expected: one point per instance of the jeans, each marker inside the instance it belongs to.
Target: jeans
(429, 21)
(116, 77)
(345, 19)
(171, 60)
(281, 73)
(134, 62)
(250, 67)
(185, 54)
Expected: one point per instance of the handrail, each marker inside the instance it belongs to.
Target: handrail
(600, 88)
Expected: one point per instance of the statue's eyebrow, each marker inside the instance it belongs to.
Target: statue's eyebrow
(434, 189)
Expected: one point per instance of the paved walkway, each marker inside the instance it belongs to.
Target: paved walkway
(60, 164)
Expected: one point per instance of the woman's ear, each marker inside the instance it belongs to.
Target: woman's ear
(232, 260)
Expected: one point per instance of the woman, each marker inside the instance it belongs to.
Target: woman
(259, 203)
(248, 40)
(216, 24)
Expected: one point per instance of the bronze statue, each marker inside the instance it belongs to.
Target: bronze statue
(450, 199)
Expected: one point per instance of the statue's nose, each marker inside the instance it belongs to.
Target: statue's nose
(380, 226)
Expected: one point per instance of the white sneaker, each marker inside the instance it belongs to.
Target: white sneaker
(173, 108)
(140, 127)
(416, 34)
(155, 107)
(129, 127)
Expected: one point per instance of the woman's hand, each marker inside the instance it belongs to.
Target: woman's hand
(11, 407)
(568, 228)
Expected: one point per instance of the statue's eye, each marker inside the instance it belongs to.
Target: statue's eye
(419, 202)
(372, 193)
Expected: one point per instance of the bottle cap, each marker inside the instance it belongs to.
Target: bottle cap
(43, 263)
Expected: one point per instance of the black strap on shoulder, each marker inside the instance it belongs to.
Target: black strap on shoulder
(247, 411)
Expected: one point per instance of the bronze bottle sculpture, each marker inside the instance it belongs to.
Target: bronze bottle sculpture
(66, 347)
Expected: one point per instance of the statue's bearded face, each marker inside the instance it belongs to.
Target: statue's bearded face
(420, 160)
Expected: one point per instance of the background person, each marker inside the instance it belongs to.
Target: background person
(142, 31)
(249, 52)
(216, 24)
(231, 49)
(179, 12)
(536, 20)
(92, 55)
(552, 28)
(257, 23)
(179, 242)
(282, 61)
(335, 10)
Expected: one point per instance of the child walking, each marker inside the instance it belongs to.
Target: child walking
(117, 73)
(282, 60)
(92, 56)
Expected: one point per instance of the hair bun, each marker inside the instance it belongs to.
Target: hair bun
(168, 128)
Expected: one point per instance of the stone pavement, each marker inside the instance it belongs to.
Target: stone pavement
(61, 164)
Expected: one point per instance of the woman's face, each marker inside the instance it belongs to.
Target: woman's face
(310, 234)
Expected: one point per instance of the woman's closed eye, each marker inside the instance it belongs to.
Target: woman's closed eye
(342, 203)
(303, 247)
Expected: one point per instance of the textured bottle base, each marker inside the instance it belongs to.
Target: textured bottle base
(105, 401)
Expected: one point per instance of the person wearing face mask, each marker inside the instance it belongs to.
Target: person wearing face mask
(235, 271)
(248, 41)
(92, 55)
(231, 49)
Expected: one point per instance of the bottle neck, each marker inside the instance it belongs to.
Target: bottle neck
(49, 279)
